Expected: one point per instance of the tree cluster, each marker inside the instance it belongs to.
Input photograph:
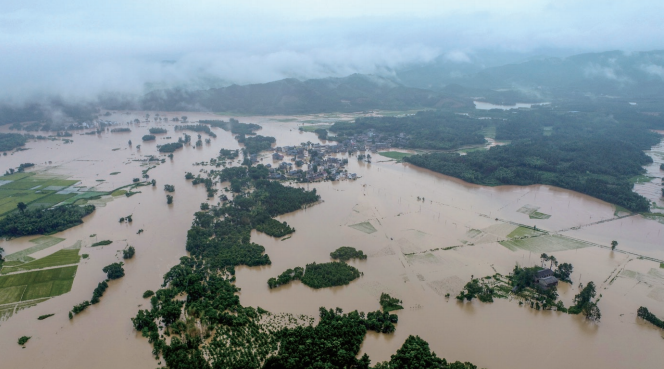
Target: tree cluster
(331, 274)
(98, 292)
(114, 271)
(170, 147)
(345, 253)
(643, 313)
(10, 141)
(389, 303)
(196, 128)
(234, 126)
(43, 220)
(286, 277)
(426, 129)
(255, 144)
(583, 303)
(128, 253)
(118, 130)
(415, 353)
(596, 157)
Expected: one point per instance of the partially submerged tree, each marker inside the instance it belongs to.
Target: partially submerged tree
(114, 271)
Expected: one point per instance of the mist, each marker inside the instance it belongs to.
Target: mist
(78, 50)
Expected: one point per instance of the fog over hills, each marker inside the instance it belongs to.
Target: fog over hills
(639, 74)
(296, 57)
(446, 82)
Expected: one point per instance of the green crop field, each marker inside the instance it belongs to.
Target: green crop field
(42, 243)
(523, 231)
(15, 176)
(36, 284)
(34, 191)
(38, 290)
(11, 294)
(543, 244)
(61, 257)
(313, 128)
(397, 155)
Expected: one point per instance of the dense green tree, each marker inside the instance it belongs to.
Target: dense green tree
(329, 274)
(21, 206)
(170, 147)
(43, 220)
(643, 313)
(129, 252)
(345, 253)
(114, 271)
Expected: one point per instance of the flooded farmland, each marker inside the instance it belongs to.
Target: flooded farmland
(425, 235)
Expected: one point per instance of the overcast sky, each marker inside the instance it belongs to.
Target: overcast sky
(80, 48)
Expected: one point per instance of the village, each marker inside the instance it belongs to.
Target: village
(321, 165)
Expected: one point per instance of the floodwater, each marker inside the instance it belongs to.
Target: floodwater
(498, 335)
(482, 105)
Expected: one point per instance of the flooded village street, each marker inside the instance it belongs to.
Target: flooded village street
(426, 235)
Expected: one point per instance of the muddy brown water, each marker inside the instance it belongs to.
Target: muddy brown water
(498, 335)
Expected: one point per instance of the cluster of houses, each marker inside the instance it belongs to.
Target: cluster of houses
(319, 165)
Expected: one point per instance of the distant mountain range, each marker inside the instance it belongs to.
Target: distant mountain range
(612, 73)
(446, 82)
(356, 92)
(450, 81)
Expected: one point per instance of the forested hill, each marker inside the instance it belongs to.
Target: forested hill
(290, 96)
(587, 153)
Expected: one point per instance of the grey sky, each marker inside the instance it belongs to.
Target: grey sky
(79, 48)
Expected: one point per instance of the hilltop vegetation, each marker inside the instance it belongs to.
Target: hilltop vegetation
(425, 130)
(583, 153)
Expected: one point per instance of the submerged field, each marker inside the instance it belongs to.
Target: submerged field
(34, 191)
(419, 250)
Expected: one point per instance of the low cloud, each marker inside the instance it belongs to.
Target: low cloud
(654, 69)
(593, 70)
(81, 49)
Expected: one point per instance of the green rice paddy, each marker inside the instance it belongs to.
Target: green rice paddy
(42, 243)
(314, 127)
(58, 258)
(546, 243)
(524, 232)
(36, 284)
(396, 155)
(33, 190)
(538, 215)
